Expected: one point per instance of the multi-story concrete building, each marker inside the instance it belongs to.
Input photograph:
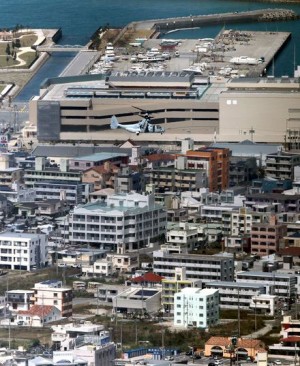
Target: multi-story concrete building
(266, 237)
(234, 295)
(83, 163)
(215, 162)
(52, 293)
(174, 285)
(281, 202)
(42, 173)
(178, 179)
(185, 235)
(137, 300)
(265, 304)
(132, 219)
(281, 165)
(280, 284)
(194, 307)
(203, 267)
(288, 348)
(19, 299)
(22, 251)
(73, 192)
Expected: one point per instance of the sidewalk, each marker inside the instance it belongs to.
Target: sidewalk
(261, 332)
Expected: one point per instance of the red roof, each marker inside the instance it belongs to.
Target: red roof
(159, 157)
(39, 310)
(291, 339)
(148, 277)
(295, 251)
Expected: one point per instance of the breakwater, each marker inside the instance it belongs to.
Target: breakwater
(262, 15)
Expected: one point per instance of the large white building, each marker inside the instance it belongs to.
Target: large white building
(132, 219)
(194, 307)
(276, 283)
(22, 251)
(203, 267)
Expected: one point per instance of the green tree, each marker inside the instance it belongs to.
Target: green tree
(7, 50)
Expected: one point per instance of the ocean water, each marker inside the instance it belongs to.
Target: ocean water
(80, 18)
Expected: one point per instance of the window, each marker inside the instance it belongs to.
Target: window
(55, 302)
(55, 294)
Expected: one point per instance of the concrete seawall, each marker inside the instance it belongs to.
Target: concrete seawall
(165, 25)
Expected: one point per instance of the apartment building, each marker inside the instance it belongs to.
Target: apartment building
(194, 307)
(280, 284)
(185, 235)
(288, 348)
(178, 178)
(73, 192)
(22, 251)
(52, 293)
(83, 163)
(239, 222)
(266, 237)
(215, 161)
(281, 165)
(234, 295)
(203, 267)
(174, 285)
(42, 173)
(131, 218)
(281, 202)
(19, 299)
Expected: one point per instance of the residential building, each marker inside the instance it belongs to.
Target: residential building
(221, 347)
(242, 170)
(266, 237)
(19, 299)
(175, 285)
(44, 173)
(96, 353)
(101, 176)
(38, 315)
(22, 251)
(137, 300)
(16, 193)
(123, 261)
(127, 180)
(215, 161)
(239, 222)
(83, 163)
(148, 279)
(178, 178)
(281, 202)
(194, 307)
(280, 284)
(185, 235)
(266, 304)
(9, 174)
(281, 165)
(52, 293)
(77, 257)
(203, 267)
(66, 336)
(289, 346)
(106, 292)
(234, 295)
(131, 218)
(73, 192)
(100, 268)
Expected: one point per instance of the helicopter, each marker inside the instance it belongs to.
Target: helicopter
(144, 126)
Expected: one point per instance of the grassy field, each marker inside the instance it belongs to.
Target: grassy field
(24, 336)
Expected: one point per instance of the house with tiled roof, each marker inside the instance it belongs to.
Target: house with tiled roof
(223, 347)
(101, 176)
(38, 315)
(149, 279)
